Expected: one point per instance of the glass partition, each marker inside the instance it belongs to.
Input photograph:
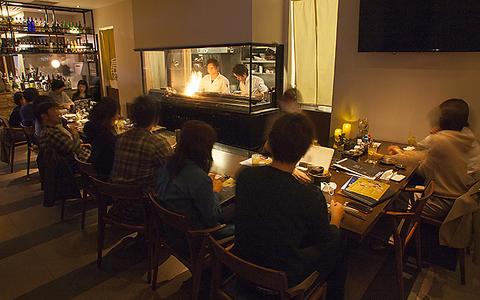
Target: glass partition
(241, 77)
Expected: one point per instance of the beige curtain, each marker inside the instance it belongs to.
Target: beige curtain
(108, 57)
(314, 34)
(154, 70)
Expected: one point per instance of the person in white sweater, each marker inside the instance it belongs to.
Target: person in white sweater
(449, 156)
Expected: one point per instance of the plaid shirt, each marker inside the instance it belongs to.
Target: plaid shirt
(139, 155)
(57, 142)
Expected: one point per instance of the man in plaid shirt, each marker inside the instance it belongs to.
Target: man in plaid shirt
(57, 148)
(55, 141)
(139, 156)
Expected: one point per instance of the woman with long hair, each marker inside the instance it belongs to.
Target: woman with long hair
(184, 185)
(82, 91)
(99, 132)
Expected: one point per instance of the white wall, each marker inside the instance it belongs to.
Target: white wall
(120, 16)
(178, 23)
(397, 91)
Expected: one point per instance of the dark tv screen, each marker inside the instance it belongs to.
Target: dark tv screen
(419, 25)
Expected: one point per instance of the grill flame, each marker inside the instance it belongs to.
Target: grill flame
(193, 84)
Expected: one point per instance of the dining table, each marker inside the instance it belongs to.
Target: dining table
(226, 161)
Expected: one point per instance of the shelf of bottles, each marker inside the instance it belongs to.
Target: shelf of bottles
(33, 78)
(25, 35)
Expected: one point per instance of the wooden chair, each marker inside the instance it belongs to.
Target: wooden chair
(29, 132)
(87, 171)
(118, 192)
(197, 258)
(406, 225)
(273, 280)
(460, 252)
(13, 140)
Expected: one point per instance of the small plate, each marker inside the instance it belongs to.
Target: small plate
(388, 161)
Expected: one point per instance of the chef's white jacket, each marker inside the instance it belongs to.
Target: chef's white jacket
(219, 85)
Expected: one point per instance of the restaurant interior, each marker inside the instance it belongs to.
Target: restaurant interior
(253, 149)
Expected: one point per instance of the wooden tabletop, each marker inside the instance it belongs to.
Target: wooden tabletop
(227, 161)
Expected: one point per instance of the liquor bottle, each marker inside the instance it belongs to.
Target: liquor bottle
(24, 25)
(34, 26)
(45, 26)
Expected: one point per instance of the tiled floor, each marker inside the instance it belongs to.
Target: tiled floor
(41, 257)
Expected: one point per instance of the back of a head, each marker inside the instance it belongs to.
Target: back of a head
(17, 98)
(57, 84)
(290, 95)
(196, 143)
(454, 114)
(290, 137)
(30, 94)
(41, 109)
(145, 110)
(103, 112)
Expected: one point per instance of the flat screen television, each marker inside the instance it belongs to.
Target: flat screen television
(419, 25)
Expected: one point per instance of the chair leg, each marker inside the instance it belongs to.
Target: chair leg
(418, 248)
(84, 207)
(461, 262)
(101, 238)
(399, 261)
(155, 262)
(28, 160)
(149, 255)
(12, 158)
(196, 278)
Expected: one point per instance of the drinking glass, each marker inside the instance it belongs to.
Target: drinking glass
(372, 153)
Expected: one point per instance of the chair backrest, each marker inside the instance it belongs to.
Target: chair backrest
(118, 191)
(176, 221)
(86, 168)
(10, 131)
(3, 122)
(259, 276)
(406, 226)
(29, 132)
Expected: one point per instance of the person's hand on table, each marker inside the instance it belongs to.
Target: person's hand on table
(336, 212)
(392, 150)
(217, 185)
(301, 176)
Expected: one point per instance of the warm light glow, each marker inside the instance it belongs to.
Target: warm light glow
(347, 128)
(193, 84)
(55, 63)
(338, 132)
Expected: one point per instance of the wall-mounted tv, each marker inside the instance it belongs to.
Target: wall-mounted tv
(419, 25)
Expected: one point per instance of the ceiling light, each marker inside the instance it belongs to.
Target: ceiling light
(55, 63)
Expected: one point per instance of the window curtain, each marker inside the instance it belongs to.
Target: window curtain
(313, 40)
(108, 57)
(154, 69)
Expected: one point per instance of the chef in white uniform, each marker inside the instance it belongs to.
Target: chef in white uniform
(240, 72)
(214, 82)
